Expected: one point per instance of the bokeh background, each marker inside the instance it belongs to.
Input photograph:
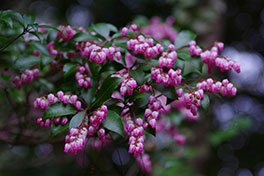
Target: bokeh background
(227, 141)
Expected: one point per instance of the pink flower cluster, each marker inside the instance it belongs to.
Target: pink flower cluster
(48, 122)
(194, 49)
(160, 30)
(135, 131)
(191, 100)
(211, 57)
(95, 120)
(75, 140)
(125, 30)
(152, 112)
(67, 32)
(223, 87)
(127, 86)
(142, 45)
(168, 58)
(172, 78)
(97, 53)
(51, 48)
(82, 78)
(225, 63)
(144, 163)
(45, 101)
(144, 87)
(26, 77)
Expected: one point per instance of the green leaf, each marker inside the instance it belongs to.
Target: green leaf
(150, 131)
(205, 102)
(27, 61)
(28, 19)
(184, 38)
(55, 130)
(39, 47)
(45, 84)
(184, 55)
(18, 18)
(38, 35)
(114, 123)
(104, 29)
(106, 90)
(190, 68)
(142, 99)
(59, 109)
(68, 69)
(8, 21)
(83, 36)
(169, 92)
(89, 94)
(76, 120)
(138, 75)
(46, 59)
(95, 68)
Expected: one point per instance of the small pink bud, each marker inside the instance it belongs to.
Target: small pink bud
(179, 92)
(36, 73)
(47, 123)
(60, 95)
(124, 31)
(78, 105)
(152, 123)
(57, 120)
(73, 99)
(39, 120)
(118, 55)
(134, 27)
(51, 98)
(64, 121)
(151, 99)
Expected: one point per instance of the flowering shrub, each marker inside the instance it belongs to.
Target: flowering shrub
(107, 83)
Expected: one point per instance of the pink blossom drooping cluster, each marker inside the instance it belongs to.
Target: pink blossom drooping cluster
(45, 101)
(194, 49)
(97, 53)
(144, 163)
(191, 100)
(160, 30)
(67, 32)
(75, 140)
(142, 45)
(127, 86)
(48, 122)
(168, 58)
(135, 131)
(95, 120)
(172, 78)
(125, 30)
(223, 87)
(152, 112)
(211, 57)
(144, 88)
(82, 78)
(26, 77)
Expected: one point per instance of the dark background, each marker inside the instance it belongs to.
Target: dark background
(238, 23)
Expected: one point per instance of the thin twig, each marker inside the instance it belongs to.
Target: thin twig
(13, 40)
